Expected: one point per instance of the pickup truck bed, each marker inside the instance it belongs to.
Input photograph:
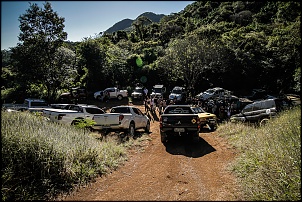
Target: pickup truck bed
(122, 118)
(179, 120)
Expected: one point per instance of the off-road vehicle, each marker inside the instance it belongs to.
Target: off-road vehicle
(259, 111)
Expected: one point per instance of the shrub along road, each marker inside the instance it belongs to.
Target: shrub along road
(181, 170)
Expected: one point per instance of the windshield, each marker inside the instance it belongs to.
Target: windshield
(178, 110)
(197, 110)
(176, 91)
(94, 111)
(157, 90)
(138, 90)
(39, 104)
(120, 110)
(210, 91)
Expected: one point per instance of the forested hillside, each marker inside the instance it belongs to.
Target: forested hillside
(235, 45)
(126, 24)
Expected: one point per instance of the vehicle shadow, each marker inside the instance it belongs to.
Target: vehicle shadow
(120, 137)
(185, 146)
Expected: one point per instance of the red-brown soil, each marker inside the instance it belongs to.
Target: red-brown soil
(181, 170)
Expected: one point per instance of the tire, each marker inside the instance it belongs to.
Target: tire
(119, 97)
(76, 121)
(147, 128)
(163, 138)
(263, 122)
(131, 129)
(98, 98)
(195, 137)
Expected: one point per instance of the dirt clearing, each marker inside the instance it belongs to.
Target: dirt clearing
(181, 170)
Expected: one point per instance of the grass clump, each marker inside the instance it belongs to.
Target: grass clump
(269, 164)
(41, 159)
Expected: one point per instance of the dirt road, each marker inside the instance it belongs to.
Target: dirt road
(181, 170)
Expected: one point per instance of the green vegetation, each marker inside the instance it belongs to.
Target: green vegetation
(210, 43)
(269, 161)
(40, 159)
(235, 45)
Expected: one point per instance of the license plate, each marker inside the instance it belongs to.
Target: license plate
(212, 121)
(179, 130)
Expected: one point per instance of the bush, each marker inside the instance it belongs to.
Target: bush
(270, 162)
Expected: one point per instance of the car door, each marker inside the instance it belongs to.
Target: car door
(247, 111)
(112, 92)
(139, 118)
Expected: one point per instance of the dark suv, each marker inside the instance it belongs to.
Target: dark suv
(259, 111)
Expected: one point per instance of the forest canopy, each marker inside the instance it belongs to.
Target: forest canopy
(235, 45)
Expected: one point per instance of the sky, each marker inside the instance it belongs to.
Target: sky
(82, 18)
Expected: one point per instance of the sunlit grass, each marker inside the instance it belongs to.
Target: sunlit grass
(269, 164)
(40, 158)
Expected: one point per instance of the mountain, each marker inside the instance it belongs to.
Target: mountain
(126, 23)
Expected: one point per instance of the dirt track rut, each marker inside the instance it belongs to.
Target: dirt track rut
(181, 170)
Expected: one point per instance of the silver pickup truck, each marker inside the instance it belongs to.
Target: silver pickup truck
(70, 114)
(29, 104)
(122, 118)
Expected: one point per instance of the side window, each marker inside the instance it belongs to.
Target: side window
(94, 111)
(257, 106)
(264, 105)
(199, 110)
(269, 104)
(248, 108)
(136, 111)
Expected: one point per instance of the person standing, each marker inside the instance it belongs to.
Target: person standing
(160, 105)
(147, 102)
(146, 92)
(152, 105)
(164, 105)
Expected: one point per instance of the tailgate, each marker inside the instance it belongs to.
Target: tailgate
(181, 120)
(107, 119)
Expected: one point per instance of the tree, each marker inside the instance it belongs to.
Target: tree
(41, 36)
(139, 26)
(185, 60)
(93, 58)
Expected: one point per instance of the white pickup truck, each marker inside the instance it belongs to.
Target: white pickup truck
(122, 118)
(113, 93)
(70, 114)
(30, 104)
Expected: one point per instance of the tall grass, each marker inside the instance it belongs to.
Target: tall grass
(41, 159)
(269, 164)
